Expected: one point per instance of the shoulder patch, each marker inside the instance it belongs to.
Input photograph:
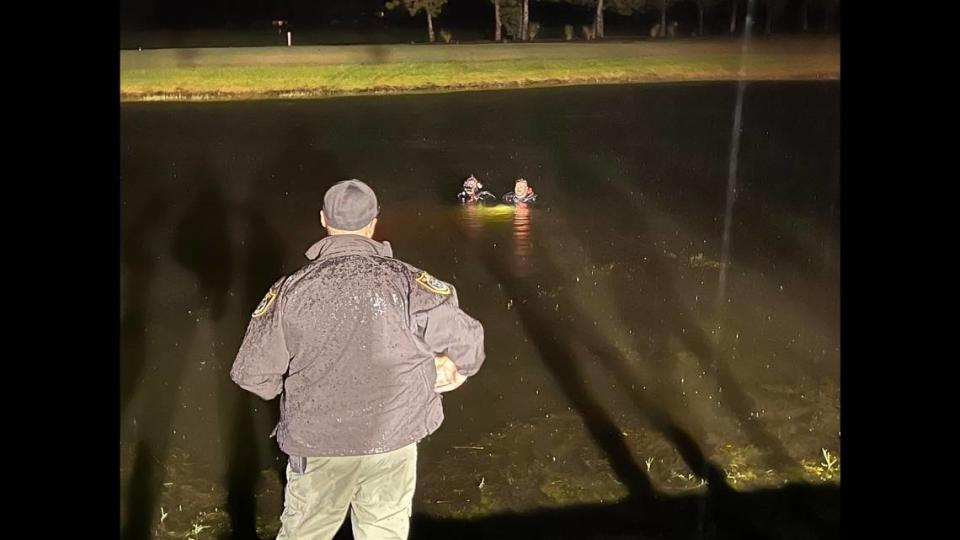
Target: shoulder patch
(433, 284)
(265, 304)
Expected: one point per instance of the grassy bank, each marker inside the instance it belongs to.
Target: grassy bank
(524, 468)
(223, 74)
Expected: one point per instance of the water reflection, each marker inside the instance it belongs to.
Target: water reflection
(472, 221)
(521, 239)
(481, 221)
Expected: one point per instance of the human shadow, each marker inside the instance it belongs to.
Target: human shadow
(140, 276)
(657, 320)
(645, 509)
(141, 493)
(262, 263)
(762, 514)
(552, 338)
(670, 319)
(201, 246)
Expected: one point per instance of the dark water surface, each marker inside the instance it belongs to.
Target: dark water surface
(599, 303)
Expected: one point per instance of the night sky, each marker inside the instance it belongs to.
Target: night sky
(463, 14)
(219, 13)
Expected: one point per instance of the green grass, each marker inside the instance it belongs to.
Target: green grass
(264, 72)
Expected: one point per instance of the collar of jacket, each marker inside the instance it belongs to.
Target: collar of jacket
(348, 244)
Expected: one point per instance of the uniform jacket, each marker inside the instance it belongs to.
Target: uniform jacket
(348, 342)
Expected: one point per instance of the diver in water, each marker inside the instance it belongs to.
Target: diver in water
(522, 193)
(472, 193)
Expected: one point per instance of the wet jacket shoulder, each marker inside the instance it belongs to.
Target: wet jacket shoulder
(263, 357)
(437, 319)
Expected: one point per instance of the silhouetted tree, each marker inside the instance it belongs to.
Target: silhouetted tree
(700, 17)
(511, 18)
(515, 16)
(431, 7)
(525, 26)
(702, 6)
(498, 24)
(662, 6)
(829, 9)
(774, 9)
(622, 7)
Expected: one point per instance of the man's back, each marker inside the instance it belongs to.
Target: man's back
(354, 325)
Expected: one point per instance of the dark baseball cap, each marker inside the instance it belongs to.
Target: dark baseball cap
(350, 205)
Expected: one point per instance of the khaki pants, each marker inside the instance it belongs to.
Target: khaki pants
(377, 488)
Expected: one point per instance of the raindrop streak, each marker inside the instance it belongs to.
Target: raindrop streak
(732, 173)
(728, 212)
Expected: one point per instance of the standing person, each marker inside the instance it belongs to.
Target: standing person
(359, 345)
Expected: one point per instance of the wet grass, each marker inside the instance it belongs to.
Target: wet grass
(192, 505)
(271, 73)
(550, 463)
(194, 508)
(540, 463)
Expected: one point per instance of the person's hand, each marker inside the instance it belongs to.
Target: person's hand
(448, 377)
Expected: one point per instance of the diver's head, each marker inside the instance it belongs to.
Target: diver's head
(520, 187)
(472, 184)
(350, 207)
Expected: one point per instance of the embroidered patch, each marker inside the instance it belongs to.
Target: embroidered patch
(265, 304)
(432, 284)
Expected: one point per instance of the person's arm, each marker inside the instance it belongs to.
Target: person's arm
(263, 358)
(443, 326)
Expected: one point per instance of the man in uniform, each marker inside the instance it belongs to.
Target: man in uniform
(359, 345)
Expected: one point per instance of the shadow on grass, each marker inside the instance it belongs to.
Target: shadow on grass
(796, 511)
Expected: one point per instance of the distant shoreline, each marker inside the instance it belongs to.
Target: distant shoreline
(245, 73)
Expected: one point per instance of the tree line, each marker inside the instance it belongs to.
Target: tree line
(512, 17)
